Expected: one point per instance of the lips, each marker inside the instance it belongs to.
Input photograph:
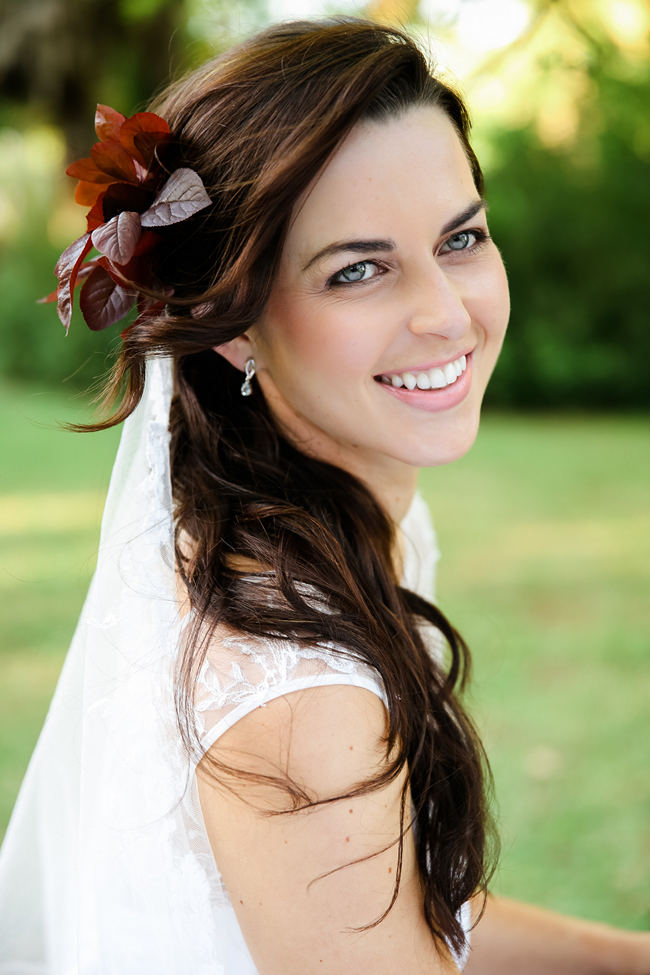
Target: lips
(431, 399)
(438, 377)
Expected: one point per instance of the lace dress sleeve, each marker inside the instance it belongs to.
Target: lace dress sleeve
(242, 672)
(245, 672)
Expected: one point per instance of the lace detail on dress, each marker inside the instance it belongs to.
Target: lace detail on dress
(242, 673)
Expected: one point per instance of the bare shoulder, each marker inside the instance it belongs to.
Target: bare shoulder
(304, 882)
(326, 739)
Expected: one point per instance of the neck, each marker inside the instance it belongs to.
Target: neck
(395, 495)
(393, 483)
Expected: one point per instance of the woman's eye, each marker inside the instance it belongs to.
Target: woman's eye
(353, 273)
(466, 240)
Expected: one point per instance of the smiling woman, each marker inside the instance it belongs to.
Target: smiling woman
(257, 759)
(425, 311)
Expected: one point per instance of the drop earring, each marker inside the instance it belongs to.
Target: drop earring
(246, 388)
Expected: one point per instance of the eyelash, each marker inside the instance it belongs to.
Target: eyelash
(481, 237)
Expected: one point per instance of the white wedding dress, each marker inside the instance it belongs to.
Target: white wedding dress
(106, 868)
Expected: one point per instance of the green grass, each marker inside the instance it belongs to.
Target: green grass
(543, 529)
(52, 488)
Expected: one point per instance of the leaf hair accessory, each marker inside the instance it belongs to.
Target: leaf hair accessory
(132, 196)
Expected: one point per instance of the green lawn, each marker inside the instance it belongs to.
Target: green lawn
(544, 530)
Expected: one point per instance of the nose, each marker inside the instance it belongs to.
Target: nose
(436, 306)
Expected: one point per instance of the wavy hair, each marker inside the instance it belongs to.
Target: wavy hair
(258, 124)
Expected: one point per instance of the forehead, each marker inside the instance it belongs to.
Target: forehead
(385, 175)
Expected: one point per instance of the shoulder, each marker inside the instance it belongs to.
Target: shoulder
(244, 672)
(325, 739)
(307, 867)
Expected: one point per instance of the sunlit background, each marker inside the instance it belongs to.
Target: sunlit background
(543, 527)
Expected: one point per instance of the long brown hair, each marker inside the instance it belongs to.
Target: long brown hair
(258, 124)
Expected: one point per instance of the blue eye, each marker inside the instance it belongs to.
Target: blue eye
(460, 242)
(466, 240)
(354, 273)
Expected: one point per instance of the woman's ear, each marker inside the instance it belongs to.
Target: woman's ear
(236, 351)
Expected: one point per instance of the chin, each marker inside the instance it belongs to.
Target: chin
(448, 446)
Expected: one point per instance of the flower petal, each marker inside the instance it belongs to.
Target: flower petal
(140, 135)
(66, 270)
(95, 216)
(102, 301)
(108, 122)
(126, 196)
(113, 159)
(82, 273)
(118, 238)
(181, 197)
(88, 194)
(87, 170)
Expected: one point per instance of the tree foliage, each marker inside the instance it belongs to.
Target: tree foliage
(569, 214)
(569, 221)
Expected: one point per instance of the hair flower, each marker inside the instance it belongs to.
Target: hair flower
(132, 196)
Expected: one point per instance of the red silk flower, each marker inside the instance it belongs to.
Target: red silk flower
(131, 196)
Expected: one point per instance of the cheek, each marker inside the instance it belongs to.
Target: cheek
(503, 300)
(324, 345)
(489, 304)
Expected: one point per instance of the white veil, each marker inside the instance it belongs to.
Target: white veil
(105, 866)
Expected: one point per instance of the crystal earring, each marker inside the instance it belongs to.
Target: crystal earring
(246, 388)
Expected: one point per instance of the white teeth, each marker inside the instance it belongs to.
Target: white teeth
(436, 378)
(450, 372)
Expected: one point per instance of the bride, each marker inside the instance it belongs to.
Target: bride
(257, 758)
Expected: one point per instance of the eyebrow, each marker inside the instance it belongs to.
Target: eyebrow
(470, 211)
(372, 246)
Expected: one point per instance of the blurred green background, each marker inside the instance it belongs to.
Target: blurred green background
(543, 526)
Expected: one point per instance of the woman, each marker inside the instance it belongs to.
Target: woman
(256, 759)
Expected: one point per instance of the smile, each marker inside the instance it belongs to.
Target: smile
(436, 378)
